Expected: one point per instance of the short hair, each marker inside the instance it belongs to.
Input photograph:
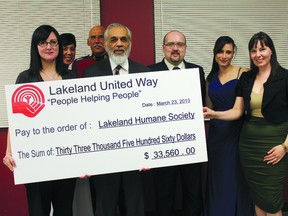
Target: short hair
(40, 34)
(113, 25)
(264, 40)
(68, 39)
(94, 27)
(164, 38)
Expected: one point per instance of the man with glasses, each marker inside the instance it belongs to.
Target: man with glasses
(174, 49)
(96, 42)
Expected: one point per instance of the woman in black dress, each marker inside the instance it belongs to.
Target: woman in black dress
(46, 64)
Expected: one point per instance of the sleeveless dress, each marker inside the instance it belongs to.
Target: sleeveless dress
(227, 190)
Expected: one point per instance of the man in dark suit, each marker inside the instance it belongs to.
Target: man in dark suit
(108, 186)
(174, 48)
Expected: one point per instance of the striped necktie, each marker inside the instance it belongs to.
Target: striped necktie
(117, 69)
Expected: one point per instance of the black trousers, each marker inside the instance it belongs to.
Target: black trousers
(60, 193)
(108, 188)
(165, 186)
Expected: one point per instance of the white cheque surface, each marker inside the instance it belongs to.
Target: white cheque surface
(105, 124)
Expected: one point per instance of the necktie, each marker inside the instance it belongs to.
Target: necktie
(176, 68)
(117, 69)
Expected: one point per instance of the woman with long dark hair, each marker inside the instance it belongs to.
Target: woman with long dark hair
(226, 188)
(46, 64)
(262, 97)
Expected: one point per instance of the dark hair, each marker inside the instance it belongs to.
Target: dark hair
(67, 39)
(40, 34)
(219, 44)
(264, 40)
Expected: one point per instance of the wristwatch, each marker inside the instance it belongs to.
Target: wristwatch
(285, 147)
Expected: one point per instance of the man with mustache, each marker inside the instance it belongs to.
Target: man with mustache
(118, 40)
(96, 42)
(174, 49)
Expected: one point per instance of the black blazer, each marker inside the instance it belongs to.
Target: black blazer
(161, 66)
(275, 97)
(26, 77)
(103, 68)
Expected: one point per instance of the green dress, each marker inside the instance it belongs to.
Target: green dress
(265, 181)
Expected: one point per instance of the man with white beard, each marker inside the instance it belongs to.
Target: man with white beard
(118, 40)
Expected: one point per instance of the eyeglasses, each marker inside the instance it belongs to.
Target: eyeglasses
(179, 45)
(45, 43)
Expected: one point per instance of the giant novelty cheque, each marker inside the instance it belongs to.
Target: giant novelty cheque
(70, 128)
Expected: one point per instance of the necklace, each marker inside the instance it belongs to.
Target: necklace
(50, 77)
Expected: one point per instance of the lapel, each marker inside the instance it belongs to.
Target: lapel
(102, 68)
(272, 87)
(248, 84)
(163, 66)
(135, 67)
(107, 66)
(186, 64)
(131, 66)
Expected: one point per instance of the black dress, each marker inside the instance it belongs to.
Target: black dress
(60, 193)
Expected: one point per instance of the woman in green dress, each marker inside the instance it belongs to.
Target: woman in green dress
(262, 96)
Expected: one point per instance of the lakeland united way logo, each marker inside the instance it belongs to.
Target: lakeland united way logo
(28, 100)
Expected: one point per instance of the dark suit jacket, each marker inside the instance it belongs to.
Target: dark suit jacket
(103, 68)
(161, 66)
(275, 98)
(130, 182)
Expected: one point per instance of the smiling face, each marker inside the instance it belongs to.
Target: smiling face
(118, 44)
(225, 55)
(261, 55)
(174, 47)
(49, 53)
(69, 52)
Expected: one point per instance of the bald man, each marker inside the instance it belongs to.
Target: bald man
(174, 49)
(96, 42)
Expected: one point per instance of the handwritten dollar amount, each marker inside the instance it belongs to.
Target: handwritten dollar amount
(169, 153)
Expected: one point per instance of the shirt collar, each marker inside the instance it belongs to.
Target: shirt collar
(98, 58)
(125, 65)
(170, 66)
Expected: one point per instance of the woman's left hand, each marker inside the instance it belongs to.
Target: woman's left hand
(275, 155)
